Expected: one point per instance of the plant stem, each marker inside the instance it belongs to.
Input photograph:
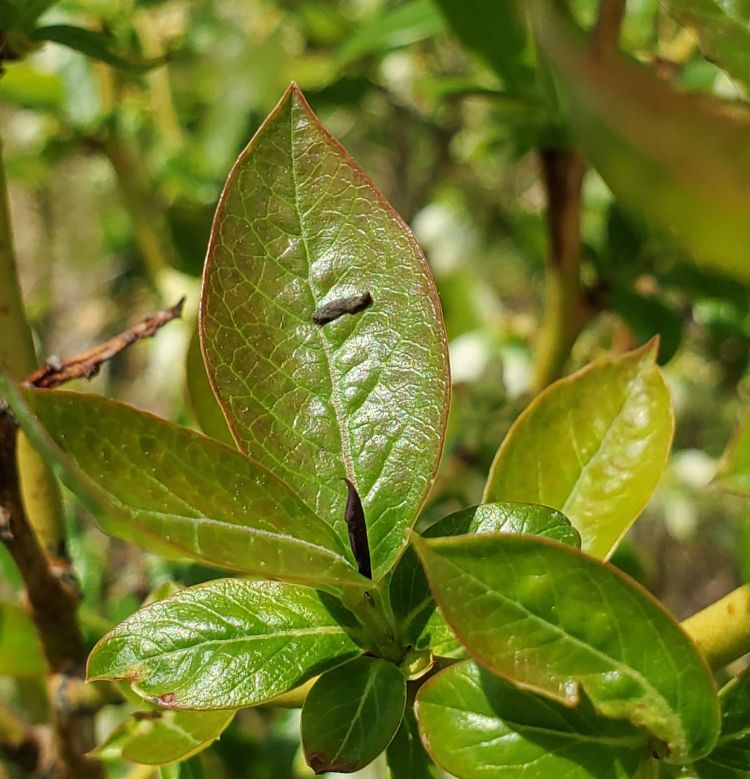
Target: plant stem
(722, 630)
(373, 612)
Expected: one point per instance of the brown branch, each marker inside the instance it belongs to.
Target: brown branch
(52, 602)
(86, 365)
(606, 32)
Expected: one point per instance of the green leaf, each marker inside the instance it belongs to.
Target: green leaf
(730, 758)
(156, 737)
(495, 31)
(300, 226)
(734, 469)
(26, 86)
(556, 622)
(681, 161)
(392, 28)
(593, 445)
(723, 32)
(226, 644)
(190, 769)
(419, 622)
(475, 724)
(202, 399)
(95, 44)
(20, 649)
(176, 492)
(406, 756)
(351, 714)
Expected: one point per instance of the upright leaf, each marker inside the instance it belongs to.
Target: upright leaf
(299, 229)
(406, 756)
(682, 161)
(475, 724)
(176, 492)
(734, 470)
(225, 644)
(554, 620)
(420, 623)
(593, 445)
(351, 714)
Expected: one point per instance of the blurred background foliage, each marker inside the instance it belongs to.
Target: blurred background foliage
(121, 118)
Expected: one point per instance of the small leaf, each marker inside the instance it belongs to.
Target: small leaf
(23, 85)
(176, 492)
(681, 161)
(475, 724)
(156, 737)
(406, 756)
(363, 397)
(553, 620)
(730, 758)
(593, 445)
(225, 644)
(20, 649)
(734, 469)
(95, 44)
(420, 623)
(351, 714)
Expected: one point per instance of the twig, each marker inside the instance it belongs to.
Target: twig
(607, 29)
(55, 372)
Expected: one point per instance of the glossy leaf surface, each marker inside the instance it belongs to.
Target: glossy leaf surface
(554, 620)
(680, 160)
(176, 492)
(406, 756)
(476, 725)
(300, 226)
(157, 737)
(593, 445)
(419, 621)
(225, 644)
(351, 714)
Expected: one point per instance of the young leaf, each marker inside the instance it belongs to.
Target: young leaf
(730, 758)
(420, 623)
(475, 724)
(593, 445)
(176, 492)
(553, 620)
(299, 225)
(20, 649)
(158, 737)
(226, 644)
(734, 470)
(351, 714)
(406, 756)
(680, 160)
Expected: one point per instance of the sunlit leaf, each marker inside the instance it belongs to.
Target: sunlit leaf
(20, 649)
(556, 621)
(176, 492)
(299, 228)
(682, 161)
(23, 85)
(593, 445)
(351, 714)
(225, 644)
(478, 725)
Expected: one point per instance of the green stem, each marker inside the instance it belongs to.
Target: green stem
(373, 611)
(722, 630)
(41, 493)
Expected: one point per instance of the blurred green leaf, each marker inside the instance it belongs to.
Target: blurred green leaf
(153, 737)
(20, 649)
(392, 28)
(23, 85)
(419, 622)
(225, 644)
(556, 621)
(723, 32)
(351, 714)
(406, 756)
(734, 470)
(495, 30)
(299, 225)
(475, 724)
(593, 445)
(95, 44)
(176, 492)
(682, 161)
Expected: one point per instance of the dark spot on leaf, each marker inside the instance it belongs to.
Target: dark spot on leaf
(144, 715)
(337, 308)
(320, 765)
(168, 699)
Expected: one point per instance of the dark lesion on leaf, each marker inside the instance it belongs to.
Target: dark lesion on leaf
(354, 515)
(337, 308)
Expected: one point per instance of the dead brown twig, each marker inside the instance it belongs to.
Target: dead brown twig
(55, 372)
